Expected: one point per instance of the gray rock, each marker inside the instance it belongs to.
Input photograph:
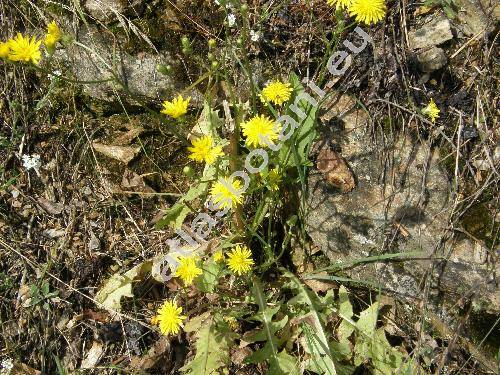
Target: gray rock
(431, 59)
(105, 10)
(476, 16)
(434, 33)
(400, 204)
(101, 57)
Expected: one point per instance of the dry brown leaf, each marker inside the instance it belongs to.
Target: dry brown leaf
(93, 356)
(121, 153)
(335, 168)
(135, 182)
(52, 208)
(22, 369)
(153, 356)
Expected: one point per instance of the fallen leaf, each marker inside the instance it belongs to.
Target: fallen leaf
(22, 369)
(335, 168)
(153, 356)
(121, 153)
(93, 356)
(52, 208)
(133, 181)
(120, 285)
(128, 137)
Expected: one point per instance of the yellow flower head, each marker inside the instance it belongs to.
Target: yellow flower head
(176, 108)
(368, 11)
(187, 270)
(169, 318)
(276, 92)
(223, 197)
(339, 4)
(53, 35)
(260, 126)
(431, 111)
(25, 49)
(203, 150)
(274, 179)
(240, 260)
(4, 50)
(219, 256)
(231, 322)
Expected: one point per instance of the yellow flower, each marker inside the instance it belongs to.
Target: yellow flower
(169, 318)
(339, 4)
(431, 111)
(187, 270)
(53, 35)
(203, 150)
(260, 126)
(176, 108)
(368, 11)
(232, 322)
(276, 92)
(240, 260)
(274, 179)
(223, 197)
(25, 49)
(219, 256)
(4, 50)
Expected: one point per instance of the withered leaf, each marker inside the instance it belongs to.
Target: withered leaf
(335, 169)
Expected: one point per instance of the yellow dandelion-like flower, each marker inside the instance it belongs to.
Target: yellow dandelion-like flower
(187, 270)
(276, 92)
(203, 150)
(223, 197)
(274, 179)
(339, 4)
(4, 50)
(431, 111)
(232, 322)
(25, 49)
(176, 108)
(53, 35)
(154, 320)
(240, 260)
(219, 256)
(169, 318)
(368, 11)
(260, 126)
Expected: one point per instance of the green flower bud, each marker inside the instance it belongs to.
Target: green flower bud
(188, 171)
(244, 8)
(210, 56)
(240, 42)
(185, 42)
(164, 69)
(212, 43)
(215, 64)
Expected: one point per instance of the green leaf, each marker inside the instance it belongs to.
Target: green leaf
(267, 333)
(285, 364)
(295, 151)
(213, 342)
(209, 279)
(368, 320)
(310, 298)
(120, 285)
(175, 215)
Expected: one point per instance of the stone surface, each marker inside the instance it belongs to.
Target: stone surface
(104, 9)
(476, 16)
(431, 59)
(101, 56)
(433, 33)
(400, 204)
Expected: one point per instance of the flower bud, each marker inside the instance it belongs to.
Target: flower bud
(188, 171)
(212, 43)
(164, 69)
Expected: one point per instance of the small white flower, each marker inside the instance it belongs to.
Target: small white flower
(231, 20)
(254, 35)
(31, 162)
(7, 366)
(217, 2)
